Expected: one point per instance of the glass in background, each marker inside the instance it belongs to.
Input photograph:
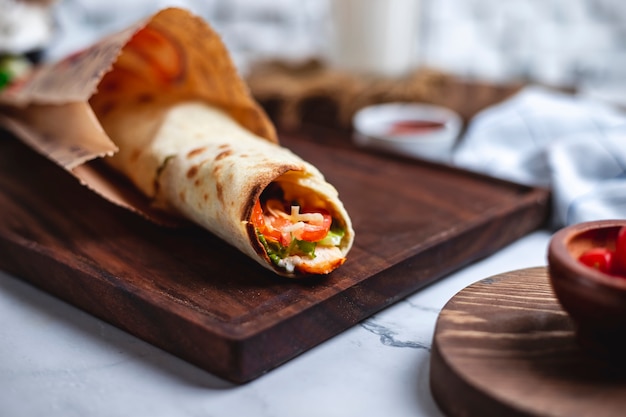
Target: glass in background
(376, 37)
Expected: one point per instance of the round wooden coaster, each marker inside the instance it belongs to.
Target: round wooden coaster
(504, 347)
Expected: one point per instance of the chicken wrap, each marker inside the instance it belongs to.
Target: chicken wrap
(195, 161)
(162, 103)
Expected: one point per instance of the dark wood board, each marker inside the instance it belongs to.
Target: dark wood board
(504, 347)
(193, 295)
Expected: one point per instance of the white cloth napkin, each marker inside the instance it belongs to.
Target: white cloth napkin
(572, 145)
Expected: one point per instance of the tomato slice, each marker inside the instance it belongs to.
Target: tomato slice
(273, 227)
(315, 232)
(257, 218)
(272, 232)
(275, 231)
(598, 258)
(619, 261)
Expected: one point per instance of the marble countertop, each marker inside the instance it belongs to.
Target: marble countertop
(57, 361)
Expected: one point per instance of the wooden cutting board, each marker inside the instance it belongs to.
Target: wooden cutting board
(196, 297)
(505, 347)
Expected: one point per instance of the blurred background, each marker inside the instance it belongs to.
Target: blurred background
(562, 43)
(556, 42)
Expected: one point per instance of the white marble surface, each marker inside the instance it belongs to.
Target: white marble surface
(57, 361)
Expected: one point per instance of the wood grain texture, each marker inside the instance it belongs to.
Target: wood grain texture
(504, 347)
(193, 295)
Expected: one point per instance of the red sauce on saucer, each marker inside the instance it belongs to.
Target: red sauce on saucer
(410, 127)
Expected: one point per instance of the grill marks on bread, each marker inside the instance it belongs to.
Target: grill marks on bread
(218, 162)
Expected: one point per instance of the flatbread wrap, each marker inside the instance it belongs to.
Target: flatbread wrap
(193, 160)
(162, 103)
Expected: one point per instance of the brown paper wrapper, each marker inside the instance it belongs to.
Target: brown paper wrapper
(172, 55)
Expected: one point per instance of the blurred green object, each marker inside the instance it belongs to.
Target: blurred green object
(4, 79)
(12, 68)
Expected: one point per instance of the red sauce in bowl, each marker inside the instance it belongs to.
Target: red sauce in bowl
(411, 127)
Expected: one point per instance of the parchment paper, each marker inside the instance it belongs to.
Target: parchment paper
(173, 55)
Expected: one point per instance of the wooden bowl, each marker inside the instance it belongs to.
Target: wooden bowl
(595, 301)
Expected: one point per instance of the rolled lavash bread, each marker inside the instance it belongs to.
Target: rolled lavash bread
(195, 161)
